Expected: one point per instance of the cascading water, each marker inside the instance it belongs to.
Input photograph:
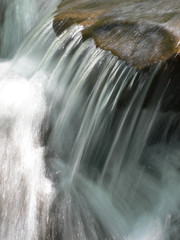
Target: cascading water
(84, 147)
(17, 19)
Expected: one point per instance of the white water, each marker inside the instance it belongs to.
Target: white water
(92, 175)
(25, 191)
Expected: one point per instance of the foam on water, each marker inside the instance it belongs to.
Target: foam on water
(25, 191)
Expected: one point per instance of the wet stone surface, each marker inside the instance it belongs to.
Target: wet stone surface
(142, 33)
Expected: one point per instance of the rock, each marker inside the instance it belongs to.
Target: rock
(72, 16)
(140, 33)
(138, 43)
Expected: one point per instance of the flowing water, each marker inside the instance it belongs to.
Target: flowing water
(86, 151)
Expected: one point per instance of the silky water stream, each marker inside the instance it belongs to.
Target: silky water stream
(89, 148)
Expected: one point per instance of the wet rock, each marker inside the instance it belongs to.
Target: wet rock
(138, 43)
(141, 33)
(75, 16)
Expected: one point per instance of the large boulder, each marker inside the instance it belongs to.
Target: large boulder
(142, 32)
(139, 43)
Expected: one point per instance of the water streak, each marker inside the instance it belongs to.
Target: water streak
(77, 155)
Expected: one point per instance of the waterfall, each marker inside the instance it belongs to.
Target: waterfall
(87, 150)
(17, 19)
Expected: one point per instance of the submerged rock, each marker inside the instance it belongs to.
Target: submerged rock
(141, 33)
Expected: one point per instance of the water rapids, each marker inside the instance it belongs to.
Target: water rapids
(86, 150)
